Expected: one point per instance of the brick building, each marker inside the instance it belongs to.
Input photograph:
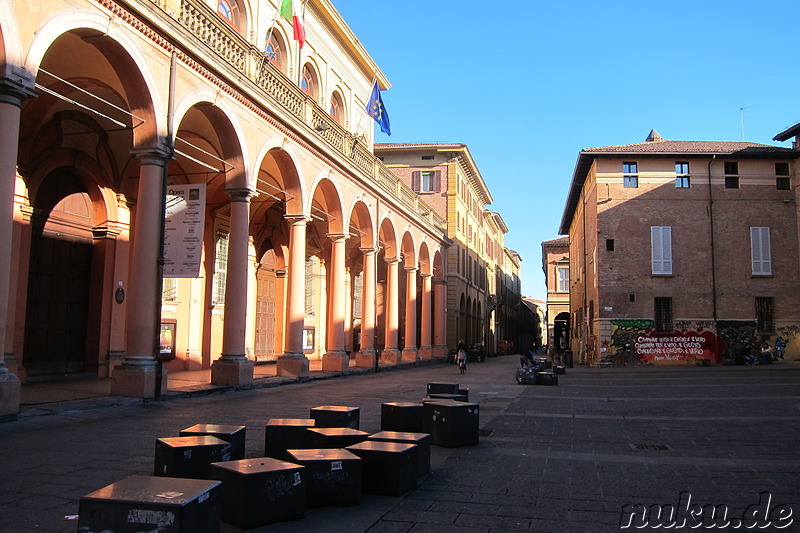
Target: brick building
(683, 250)
(555, 263)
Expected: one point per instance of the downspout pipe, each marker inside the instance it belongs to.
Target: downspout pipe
(713, 254)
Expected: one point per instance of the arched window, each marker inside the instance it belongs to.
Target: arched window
(308, 81)
(275, 51)
(337, 107)
(232, 13)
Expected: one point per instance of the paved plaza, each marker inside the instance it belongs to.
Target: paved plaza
(551, 459)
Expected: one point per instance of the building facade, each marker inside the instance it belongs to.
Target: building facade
(285, 238)
(483, 276)
(683, 251)
(555, 264)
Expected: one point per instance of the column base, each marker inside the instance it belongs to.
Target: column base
(440, 350)
(137, 381)
(232, 370)
(9, 394)
(390, 356)
(335, 362)
(293, 365)
(426, 352)
(410, 355)
(366, 358)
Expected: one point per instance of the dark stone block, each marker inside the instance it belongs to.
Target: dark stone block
(527, 375)
(451, 424)
(464, 393)
(401, 416)
(235, 435)
(336, 416)
(560, 369)
(144, 503)
(445, 396)
(256, 492)
(546, 378)
(332, 476)
(387, 468)
(284, 433)
(421, 440)
(189, 456)
(334, 437)
(442, 388)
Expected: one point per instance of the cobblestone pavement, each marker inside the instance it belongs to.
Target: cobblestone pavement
(551, 459)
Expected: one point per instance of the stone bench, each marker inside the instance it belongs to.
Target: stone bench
(280, 434)
(144, 503)
(451, 424)
(333, 437)
(189, 457)
(336, 416)
(257, 492)
(401, 416)
(421, 440)
(387, 468)
(235, 435)
(332, 476)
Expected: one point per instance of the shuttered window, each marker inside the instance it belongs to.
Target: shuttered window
(760, 251)
(661, 244)
(426, 181)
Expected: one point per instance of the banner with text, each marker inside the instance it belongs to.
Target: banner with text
(183, 231)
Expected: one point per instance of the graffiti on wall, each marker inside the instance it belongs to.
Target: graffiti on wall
(635, 340)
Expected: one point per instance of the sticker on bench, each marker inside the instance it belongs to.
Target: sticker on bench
(169, 495)
(336, 465)
(296, 478)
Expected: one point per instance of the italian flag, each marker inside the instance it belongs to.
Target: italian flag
(290, 9)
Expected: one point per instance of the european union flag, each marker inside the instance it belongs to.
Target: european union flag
(376, 110)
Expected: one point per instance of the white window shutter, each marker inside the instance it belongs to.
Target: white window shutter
(760, 251)
(661, 246)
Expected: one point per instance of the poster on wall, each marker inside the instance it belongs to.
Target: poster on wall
(183, 231)
(686, 345)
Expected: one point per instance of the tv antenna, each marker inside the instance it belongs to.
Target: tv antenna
(741, 117)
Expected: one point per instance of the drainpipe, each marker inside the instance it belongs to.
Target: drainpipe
(713, 254)
(170, 145)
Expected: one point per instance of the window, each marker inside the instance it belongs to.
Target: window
(274, 51)
(782, 179)
(609, 245)
(426, 157)
(337, 107)
(681, 175)
(425, 181)
(308, 82)
(760, 251)
(169, 290)
(731, 175)
(220, 266)
(630, 178)
(663, 314)
(563, 279)
(765, 314)
(661, 244)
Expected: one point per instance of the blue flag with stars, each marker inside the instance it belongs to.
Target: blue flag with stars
(376, 110)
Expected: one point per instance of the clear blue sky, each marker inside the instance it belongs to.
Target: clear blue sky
(527, 84)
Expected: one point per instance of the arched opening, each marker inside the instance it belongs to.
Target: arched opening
(560, 340)
(276, 51)
(233, 12)
(309, 81)
(336, 108)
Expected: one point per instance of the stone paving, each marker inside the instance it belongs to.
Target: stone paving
(551, 459)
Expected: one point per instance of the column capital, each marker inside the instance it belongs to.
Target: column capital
(154, 155)
(368, 250)
(296, 220)
(426, 275)
(338, 237)
(392, 260)
(14, 92)
(410, 269)
(240, 194)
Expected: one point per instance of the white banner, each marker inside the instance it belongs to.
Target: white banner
(183, 231)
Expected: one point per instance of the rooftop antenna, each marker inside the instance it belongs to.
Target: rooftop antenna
(741, 117)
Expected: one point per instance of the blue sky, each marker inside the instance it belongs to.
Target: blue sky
(527, 84)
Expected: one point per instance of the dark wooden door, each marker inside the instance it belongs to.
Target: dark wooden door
(57, 309)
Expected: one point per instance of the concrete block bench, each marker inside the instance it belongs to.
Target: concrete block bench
(387, 468)
(280, 434)
(451, 424)
(235, 435)
(336, 416)
(332, 476)
(401, 416)
(421, 440)
(189, 457)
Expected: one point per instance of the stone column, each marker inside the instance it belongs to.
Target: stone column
(335, 358)
(390, 354)
(233, 367)
(293, 362)
(410, 352)
(440, 311)
(367, 353)
(11, 96)
(425, 349)
(136, 376)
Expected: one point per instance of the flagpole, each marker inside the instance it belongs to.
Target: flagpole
(269, 34)
(364, 107)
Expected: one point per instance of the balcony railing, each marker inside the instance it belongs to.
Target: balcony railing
(272, 85)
